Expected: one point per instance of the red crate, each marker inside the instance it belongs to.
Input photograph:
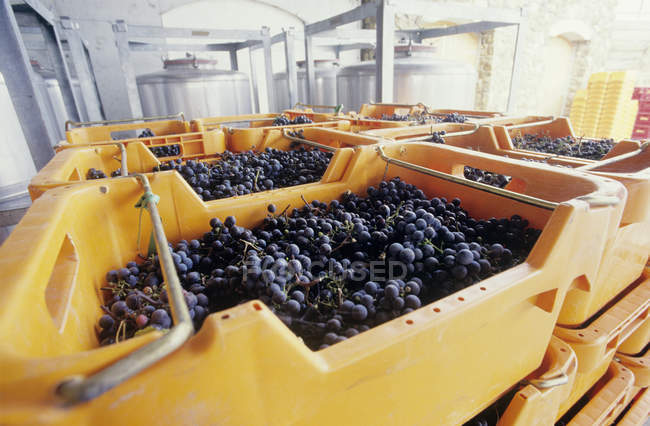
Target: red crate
(639, 92)
(642, 119)
(641, 132)
(644, 105)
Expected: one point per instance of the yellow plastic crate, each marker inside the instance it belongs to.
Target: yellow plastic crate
(70, 165)
(103, 131)
(595, 344)
(639, 365)
(247, 348)
(538, 401)
(608, 399)
(637, 409)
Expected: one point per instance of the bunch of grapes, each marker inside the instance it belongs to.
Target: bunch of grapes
(397, 117)
(95, 174)
(283, 120)
(248, 172)
(146, 133)
(454, 117)
(166, 150)
(328, 271)
(569, 146)
(489, 178)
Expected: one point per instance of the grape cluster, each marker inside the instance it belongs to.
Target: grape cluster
(569, 146)
(437, 137)
(397, 117)
(328, 271)
(248, 172)
(95, 174)
(454, 117)
(166, 150)
(483, 176)
(283, 120)
(146, 133)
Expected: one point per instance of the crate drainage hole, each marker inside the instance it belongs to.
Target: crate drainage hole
(257, 306)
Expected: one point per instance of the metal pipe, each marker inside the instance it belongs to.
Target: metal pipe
(124, 120)
(560, 379)
(616, 159)
(123, 163)
(307, 142)
(452, 134)
(250, 120)
(336, 108)
(536, 123)
(549, 205)
(78, 389)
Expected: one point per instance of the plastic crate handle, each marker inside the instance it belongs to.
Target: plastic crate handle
(78, 389)
(616, 159)
(446, 135)
(70, 123)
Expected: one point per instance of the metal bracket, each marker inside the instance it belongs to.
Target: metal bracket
(120, 26)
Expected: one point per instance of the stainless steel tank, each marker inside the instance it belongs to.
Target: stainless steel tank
(56, 113)
(16, 165)
(325, 71)
(195, 87)
(418, 77)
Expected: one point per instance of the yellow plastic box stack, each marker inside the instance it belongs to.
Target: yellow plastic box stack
(596, 89)
(578, 107)
(613, 113)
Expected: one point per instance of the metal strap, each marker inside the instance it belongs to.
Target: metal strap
(336, 108)
(250, 120)
(123, 163)
(549, 205)
(561, 379)
(535, 123)
(293, 138)
(78, 389)
(616, 159)
(451, 134)
(71, 123)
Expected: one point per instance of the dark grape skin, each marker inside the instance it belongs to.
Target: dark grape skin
(324, 305)
(283, 120)
(569, 146)
(248, 172)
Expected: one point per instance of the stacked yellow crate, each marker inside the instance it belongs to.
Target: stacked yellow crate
(618, 93)
(596, 89)
(578, 107)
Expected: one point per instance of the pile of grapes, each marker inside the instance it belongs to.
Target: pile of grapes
(422, 119)
(489, 178)
(146, 133)
(283, 120)
(471, 173)
(454, 117)
(248, 172)
(329, 272)
(166, 150)
(569, 146)
(95, 174)
(397, 117)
